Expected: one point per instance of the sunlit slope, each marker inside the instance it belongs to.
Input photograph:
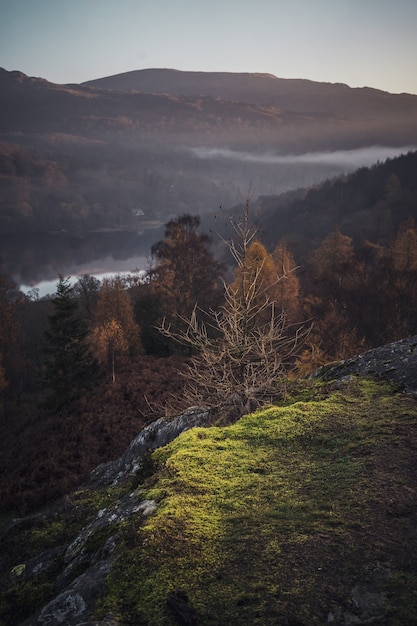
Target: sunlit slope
(275, 519)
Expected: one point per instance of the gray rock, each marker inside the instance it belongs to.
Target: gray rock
(76, 596)
(158, 434)
(368, 598)
(395, 362)
(73, 605)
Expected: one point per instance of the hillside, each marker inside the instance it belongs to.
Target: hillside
(301, 513)
(302, 96)
(367, 205)
(84, 157)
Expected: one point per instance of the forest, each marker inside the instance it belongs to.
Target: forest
(82, 158)
(229, 321)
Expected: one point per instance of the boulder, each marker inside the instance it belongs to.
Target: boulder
(158, 434)
(395, 362)
(76, 595)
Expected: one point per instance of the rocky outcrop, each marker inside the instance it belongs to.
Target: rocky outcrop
(369, 601)
(395, 362)
(81, 564)
(92, 550)
(159, 433)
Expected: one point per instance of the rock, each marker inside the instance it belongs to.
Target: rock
(95, 546)
(72, 606)
(368, 598)
(181, 608)
(395, 362)
(157, 434)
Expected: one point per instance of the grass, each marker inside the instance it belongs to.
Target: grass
(274, 519)
(20, 596)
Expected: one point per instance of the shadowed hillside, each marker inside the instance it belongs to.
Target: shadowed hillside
(301, 513)
(293, 94)
(86, 157)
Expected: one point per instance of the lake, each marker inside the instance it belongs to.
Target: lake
(35, 261)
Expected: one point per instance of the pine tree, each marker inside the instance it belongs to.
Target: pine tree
(70, 367)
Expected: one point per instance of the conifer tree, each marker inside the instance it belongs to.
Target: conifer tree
(70, 367)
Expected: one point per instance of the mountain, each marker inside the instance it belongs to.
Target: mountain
(298, 95)
(156, 143)
(34, 104)
(367, 205)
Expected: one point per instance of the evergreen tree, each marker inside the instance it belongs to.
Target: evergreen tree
(70, 367)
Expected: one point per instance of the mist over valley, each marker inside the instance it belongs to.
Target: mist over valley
(90, 173)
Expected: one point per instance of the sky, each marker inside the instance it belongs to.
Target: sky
(361, 43)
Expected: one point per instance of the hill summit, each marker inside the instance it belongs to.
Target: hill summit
(298, 95)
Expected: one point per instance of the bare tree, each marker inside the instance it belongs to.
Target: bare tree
(243, 351)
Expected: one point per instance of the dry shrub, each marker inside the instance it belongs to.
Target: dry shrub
(44, 455)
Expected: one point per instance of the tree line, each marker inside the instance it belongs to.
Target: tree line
(243, 328)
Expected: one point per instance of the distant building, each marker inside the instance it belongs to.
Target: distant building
(138, 212)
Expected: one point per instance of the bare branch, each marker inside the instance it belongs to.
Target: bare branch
(243, 351)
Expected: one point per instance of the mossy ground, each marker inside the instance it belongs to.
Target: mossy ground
(274, 519)
(22, 595)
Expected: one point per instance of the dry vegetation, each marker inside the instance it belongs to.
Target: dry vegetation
(45, 455)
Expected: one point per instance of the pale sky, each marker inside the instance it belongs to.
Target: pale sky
(359, 42)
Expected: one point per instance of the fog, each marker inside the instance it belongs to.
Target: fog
(198, 181)
(357, 157)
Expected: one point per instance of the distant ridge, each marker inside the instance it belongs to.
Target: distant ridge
(85, 157)
(294, 94)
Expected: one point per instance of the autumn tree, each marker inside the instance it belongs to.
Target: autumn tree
(245, 362)
(255, 267)
(391, 286)
(70, 366)
(334, 267)
(332, 337)
(115, 330)
(287, 291)
(184, 271)
(337, 282)
(86, 289)
(276, 278)
(404, 279)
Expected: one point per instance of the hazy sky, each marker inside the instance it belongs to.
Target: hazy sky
(359, 42)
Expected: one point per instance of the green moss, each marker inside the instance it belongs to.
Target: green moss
(25, 595)
(89, 501)
(97, 540)
(22, 599)
(43, 535)
(256, 517)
